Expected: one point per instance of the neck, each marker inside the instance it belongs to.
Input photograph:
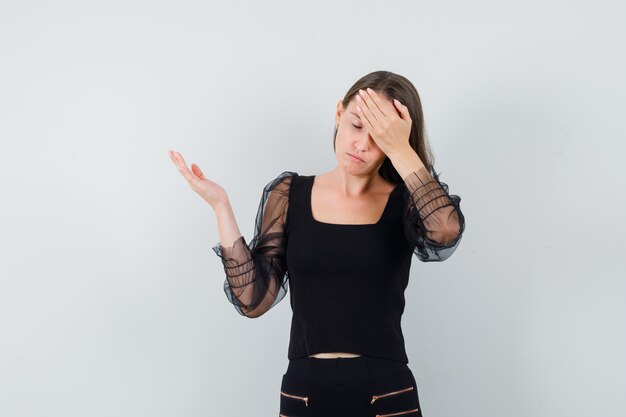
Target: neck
(355, 185)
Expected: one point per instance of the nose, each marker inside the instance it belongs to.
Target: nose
(363, 142)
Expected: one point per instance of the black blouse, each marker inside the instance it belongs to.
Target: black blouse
(347, 280)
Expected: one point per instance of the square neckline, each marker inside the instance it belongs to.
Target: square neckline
(310, 208)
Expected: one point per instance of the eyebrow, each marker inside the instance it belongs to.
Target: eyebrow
(355, 115)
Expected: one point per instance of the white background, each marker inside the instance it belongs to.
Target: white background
(111, 300)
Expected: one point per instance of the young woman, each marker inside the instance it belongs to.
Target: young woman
(343, 241)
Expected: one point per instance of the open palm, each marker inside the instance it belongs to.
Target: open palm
(209, 190)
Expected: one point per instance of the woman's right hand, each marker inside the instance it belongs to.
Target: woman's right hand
(209, 190)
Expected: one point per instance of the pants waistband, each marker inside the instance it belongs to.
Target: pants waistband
(344, 370)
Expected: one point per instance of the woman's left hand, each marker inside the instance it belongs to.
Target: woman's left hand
(388, 124)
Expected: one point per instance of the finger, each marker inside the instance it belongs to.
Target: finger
(172, 156)
(382, 108)
(368, 106)
(178, 162)
(404, 110)
(181, 165)
(366, 121)
(196, 170)
(366, 115)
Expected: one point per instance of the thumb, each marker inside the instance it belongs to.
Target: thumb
(404, 110)
(196, 170)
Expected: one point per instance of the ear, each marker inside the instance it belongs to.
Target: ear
(338, 111)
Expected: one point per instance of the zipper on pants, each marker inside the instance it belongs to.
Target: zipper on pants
(305, 399)
(398, 413)
(375, 397)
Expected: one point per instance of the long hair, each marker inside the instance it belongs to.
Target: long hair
(396, 86)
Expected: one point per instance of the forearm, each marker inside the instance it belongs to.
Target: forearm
(429, 198)
(227, 225)
(253, 294)
(256, 272)
(236, 257)
(406, 161)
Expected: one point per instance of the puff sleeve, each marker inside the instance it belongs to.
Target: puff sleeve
(256, 273)
(432, 229)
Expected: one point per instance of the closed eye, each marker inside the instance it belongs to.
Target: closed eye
(358, 127)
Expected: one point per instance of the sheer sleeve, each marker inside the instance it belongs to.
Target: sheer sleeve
(433, 221)
(256, 274)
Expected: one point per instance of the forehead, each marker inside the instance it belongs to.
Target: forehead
(352, 111)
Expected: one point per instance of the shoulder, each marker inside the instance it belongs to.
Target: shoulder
(281, 183)
(284, 177)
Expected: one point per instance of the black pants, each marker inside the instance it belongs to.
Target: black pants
(361, 386)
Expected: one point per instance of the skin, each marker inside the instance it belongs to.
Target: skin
(358, 193)
(354, 192)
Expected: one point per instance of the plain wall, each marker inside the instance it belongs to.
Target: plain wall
(111, 299)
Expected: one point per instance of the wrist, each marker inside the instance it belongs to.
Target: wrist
(222, 208)
(405, 161)
(399, 152)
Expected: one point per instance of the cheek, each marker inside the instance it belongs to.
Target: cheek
(381, 155)
(375, 147)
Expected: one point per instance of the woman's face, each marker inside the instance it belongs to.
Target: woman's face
(354, 139)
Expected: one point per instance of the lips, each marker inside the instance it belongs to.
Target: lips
(356, 157)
